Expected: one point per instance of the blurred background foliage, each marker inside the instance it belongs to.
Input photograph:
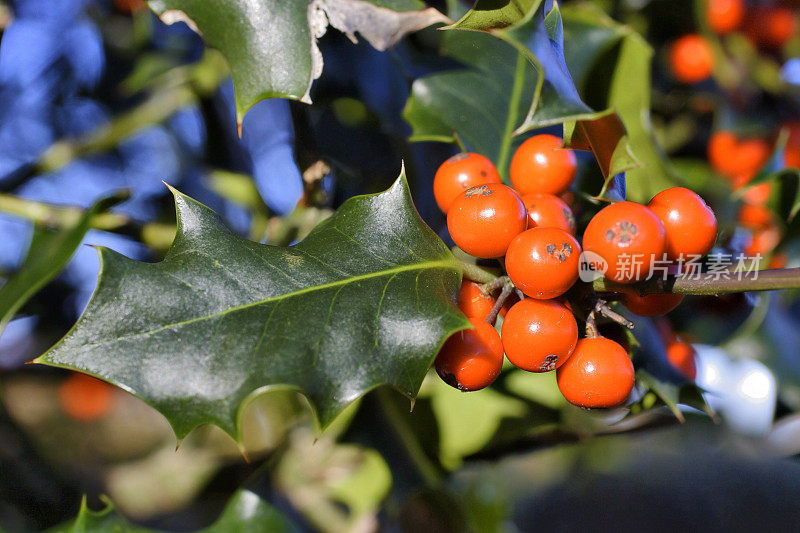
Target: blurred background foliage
(102, 99)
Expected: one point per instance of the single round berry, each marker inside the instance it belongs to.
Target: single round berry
(472, 358)
(681, 356)
(549, 211)
(763, 240)
(485, 219)
(473, 302)
(691, 59)
(629, 237)
(540, 165)
(758, 194)
(652, 304)
(738, 160)
(539, 335)
(459, 173)
(724, 16)
(599, 373)
(690, 225)
(772, 27)
(85, 398)
(755, 216)
(543, 262)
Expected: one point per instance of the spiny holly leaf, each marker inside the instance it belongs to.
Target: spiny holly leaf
(366, 299)
(49, 252)
(598, 48)
(488, 15)
(270, 45)
(245, 511)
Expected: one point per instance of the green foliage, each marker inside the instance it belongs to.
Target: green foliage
(244, 512)
(366, 299)
(270, 45)
(49, 252)
(610, 64)
(492, 14)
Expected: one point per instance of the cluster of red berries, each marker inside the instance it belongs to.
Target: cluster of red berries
(532, 229)
(769, 27)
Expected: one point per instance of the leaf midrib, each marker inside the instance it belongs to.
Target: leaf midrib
(443, 263)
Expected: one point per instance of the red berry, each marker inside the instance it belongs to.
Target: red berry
(724, 16)
(690, 225)
(484, 220)
(599, 373)
(549, 211)
(84, 397)
(681, 355)
(653, 304)
(459, 173)
(539, 335)
(543, 262)
(629, 237)
(472, 358)
(691, 59)
(473, 302)
(540, 165)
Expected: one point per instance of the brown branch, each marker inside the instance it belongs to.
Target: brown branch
(710, 283)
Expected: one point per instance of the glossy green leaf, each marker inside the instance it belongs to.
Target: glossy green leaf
(488, 15)
(481, 105)
(598, 48)
(245, 511)
(366, 299)
(49, 253)
(270, 45)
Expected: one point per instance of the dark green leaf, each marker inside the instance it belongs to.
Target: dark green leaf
(245, 511)
(482, 105)
(49, 252)
(270, 45)
(488, 15)
(599, 50)
(366, 299)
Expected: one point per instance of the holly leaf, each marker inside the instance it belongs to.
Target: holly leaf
(271, 45)
(49, 252)
(488, 15)
(598, 48)
(366, 299)
(481, 105)
(245, 511)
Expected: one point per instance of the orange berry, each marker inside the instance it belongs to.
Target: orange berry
(472, 358)
(691, 59)
(724, 16)
(459, 173)
(85, 398)
(737, 160)
(473, 302)
(778, 260)
(629, 237)
(772, 27)
(543, 262)
(763, 240)
(548, 211)
(539, 335)
(484, 220)
(758, 194)
(599, 373)
(690, 225)
(540, 165)
(652, 304)
(793, 145)
(681, 356)
(755, 216)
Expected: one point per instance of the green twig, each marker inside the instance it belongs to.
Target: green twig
(476, 273)
(48, 215)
